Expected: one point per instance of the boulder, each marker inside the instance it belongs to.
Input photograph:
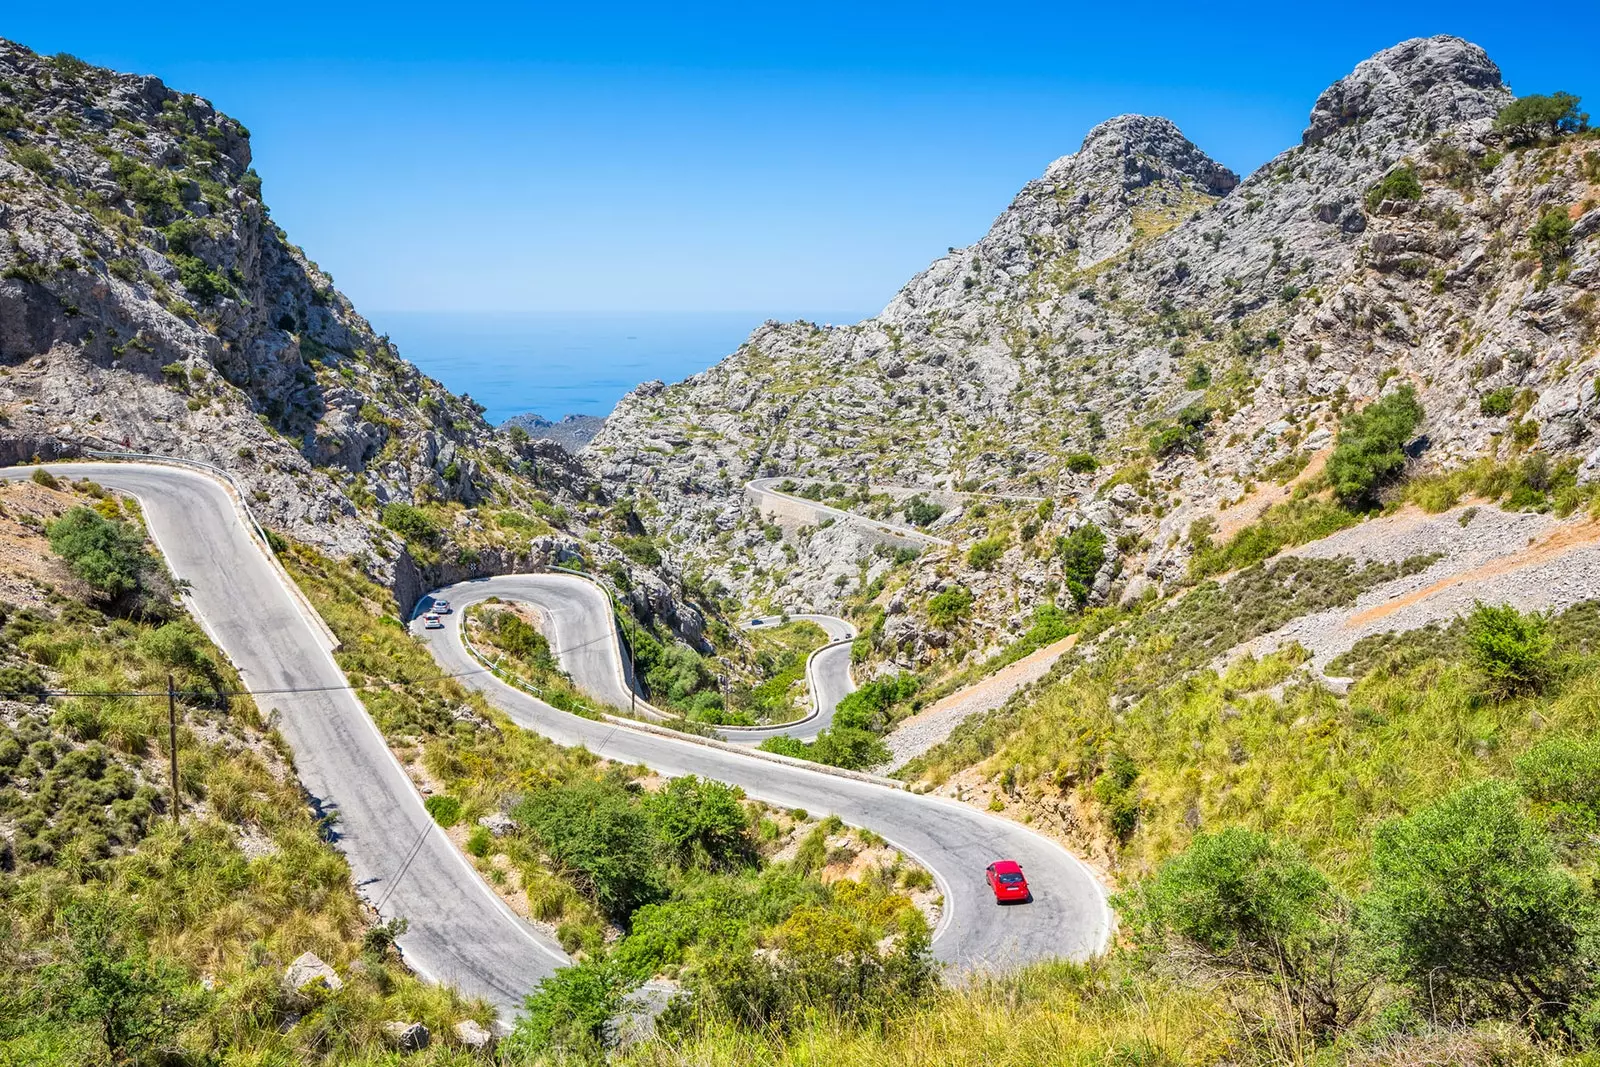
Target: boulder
(308, 971)
(407, 1037)
(469, 1034)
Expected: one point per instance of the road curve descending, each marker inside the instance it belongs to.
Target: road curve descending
(1067, 918)
(459, 932)
(828, 681)
(768, 499)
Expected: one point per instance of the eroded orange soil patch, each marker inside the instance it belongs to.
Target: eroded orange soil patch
(1232, 519)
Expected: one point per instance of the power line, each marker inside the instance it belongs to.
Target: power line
(40, 694)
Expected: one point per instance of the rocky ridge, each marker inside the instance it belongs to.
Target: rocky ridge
(149, 303)
(1085, 327)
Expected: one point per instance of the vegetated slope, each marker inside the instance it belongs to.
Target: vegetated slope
(127, 935)
(1143, 341)
(148, 302)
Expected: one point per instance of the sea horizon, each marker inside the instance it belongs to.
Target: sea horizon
(558, 363)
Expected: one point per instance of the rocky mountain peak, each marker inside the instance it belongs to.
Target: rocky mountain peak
(1139, 150)
(1133, 176)
(1441, 81)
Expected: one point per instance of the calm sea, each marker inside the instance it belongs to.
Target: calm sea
(556, 364)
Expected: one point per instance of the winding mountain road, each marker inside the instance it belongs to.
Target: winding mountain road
(828, 681)
(460, 932)
(1068, 916)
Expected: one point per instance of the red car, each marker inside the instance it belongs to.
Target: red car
(1005, 878)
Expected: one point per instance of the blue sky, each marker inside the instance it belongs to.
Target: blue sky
(704, 157)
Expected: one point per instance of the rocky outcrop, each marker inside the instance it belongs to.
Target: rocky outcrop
(1418, 86)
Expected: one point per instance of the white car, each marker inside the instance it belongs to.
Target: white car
(432, 622)
(441, 607)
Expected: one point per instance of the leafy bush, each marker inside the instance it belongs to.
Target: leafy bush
(1184, 433)
(1551, 236)
(34, 159)
(445, 809)
(1083, 553)
(1469, 907)
(1497, 402)
(868, 707)
(1082, 463)
(107, 554)
(1369, 449)
(1399, 184)
(950, 607)
(986, 553)
(1247, 903)
(566, 1015)
(202, 280)
(1512, 650)
(595, 834)
(639, 549)
(703, 824)
(411, 523)
(1561, 776)
(1530, 119)
(919, 511)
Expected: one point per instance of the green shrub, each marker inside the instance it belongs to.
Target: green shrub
(410, 522)
(445, 809)
(950, 607)
(1369, 450)
(986, 553)
(1469, 907)
(598, 837)
(133, 1005)
(1183, 434)
(1399, 184)
(1561, 776)
(566, 1015)
(202, 280)
(920, 511)
(1083, 553)
(1082, 463)
(639, 549)
(1512, 650)
(1551, 236)
(46, 479)
(1256, 906)
(703, 824)
(108, 555)
(1497, 402)
(34, 159)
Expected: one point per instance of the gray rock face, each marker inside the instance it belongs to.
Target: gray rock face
(1132, 281)
(1435, 81)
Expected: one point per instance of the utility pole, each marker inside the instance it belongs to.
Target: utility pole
(172, 740)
